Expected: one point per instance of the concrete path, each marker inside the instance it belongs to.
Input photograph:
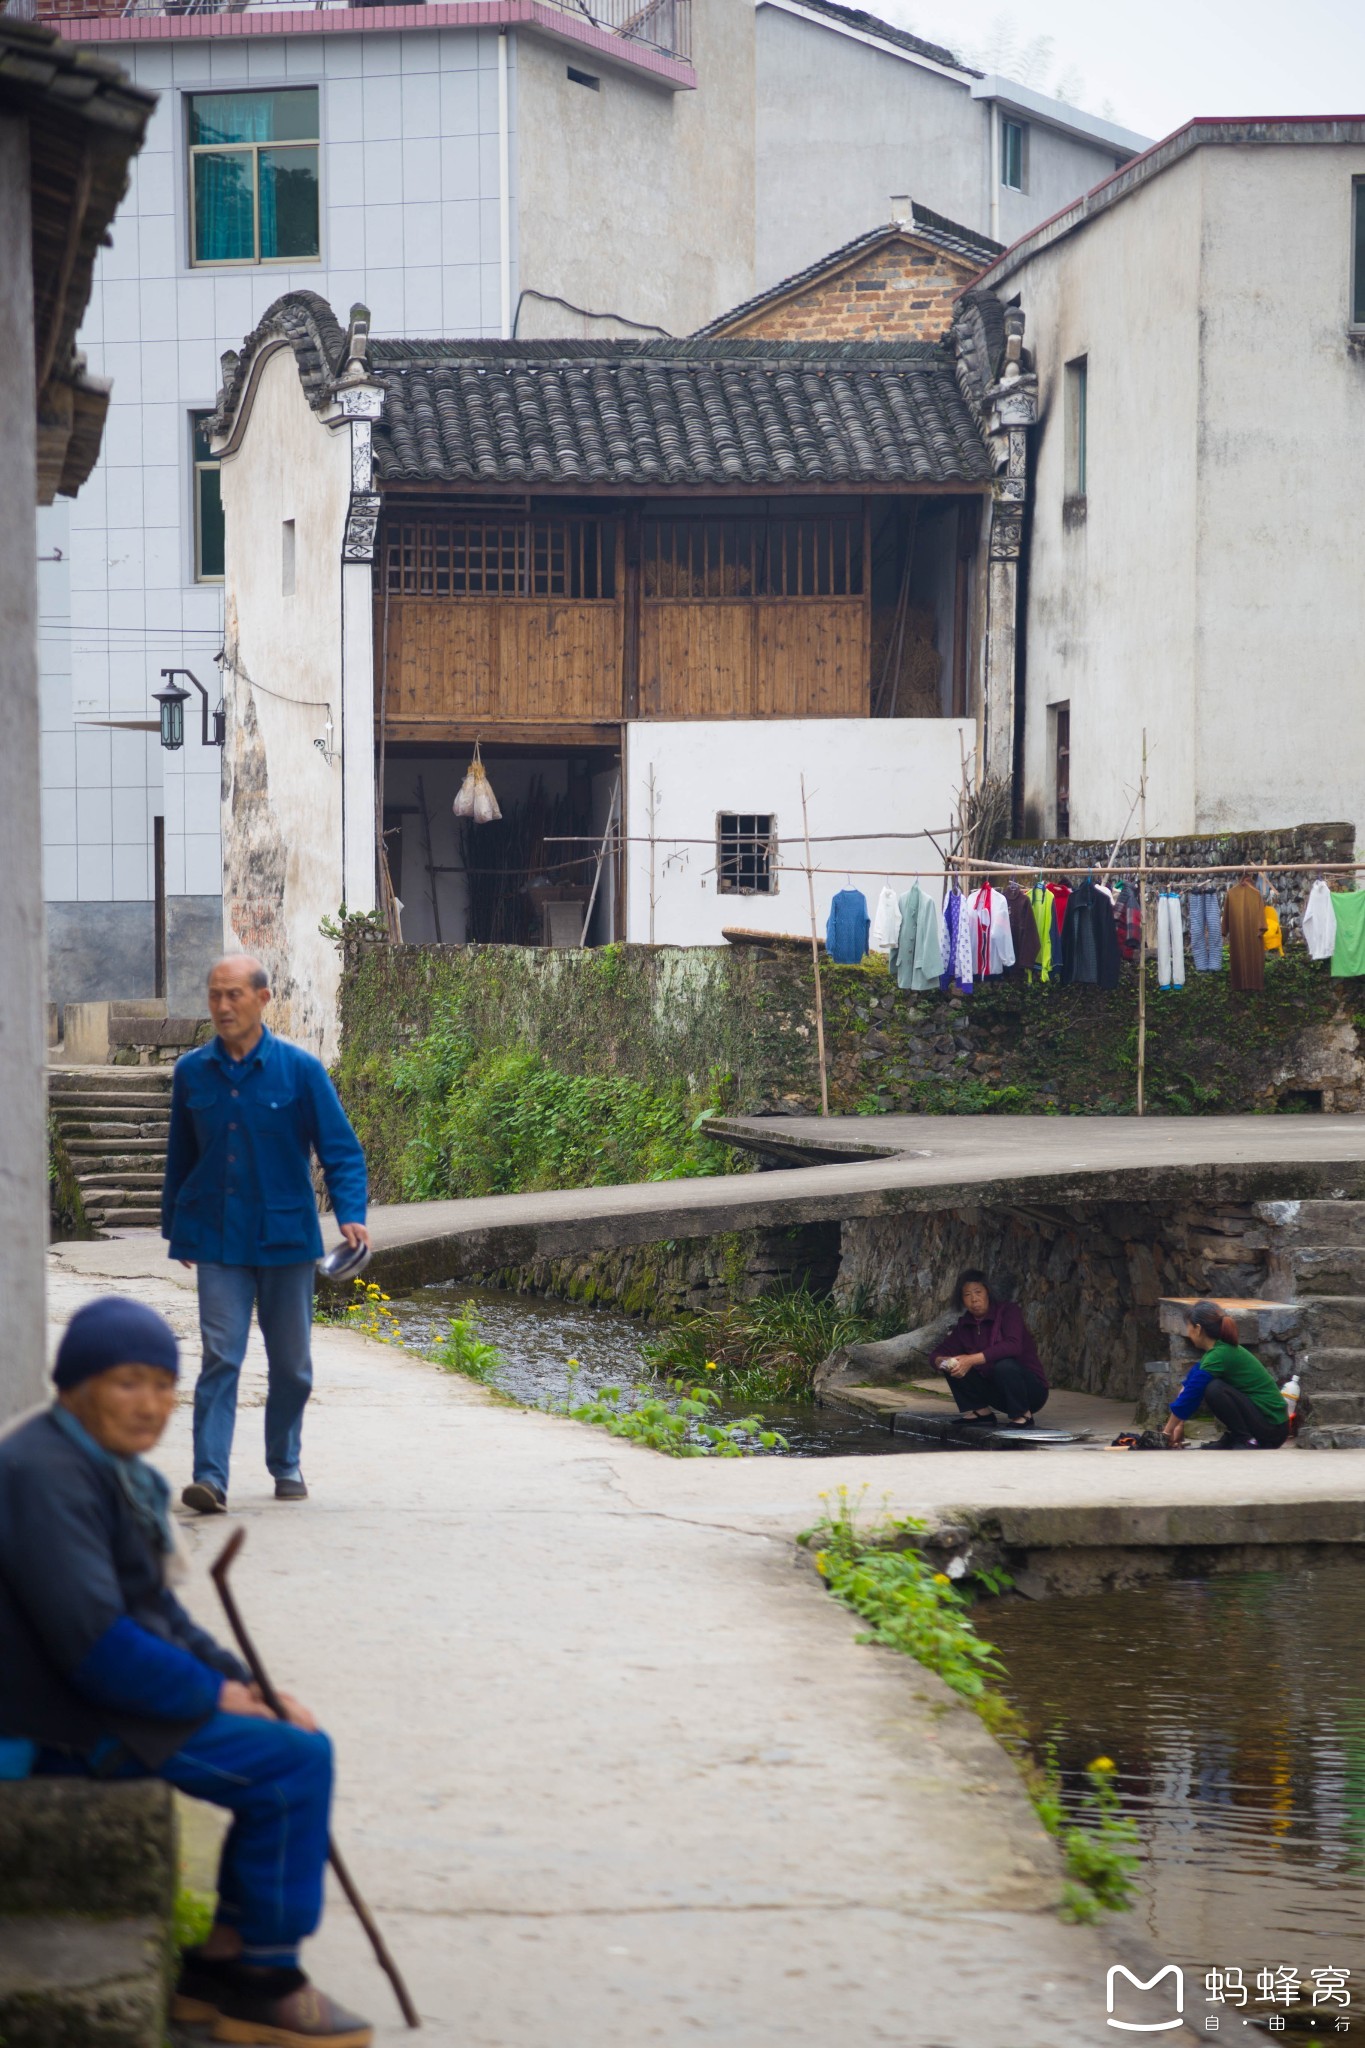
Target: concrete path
(614, 1770)
(917, 1163)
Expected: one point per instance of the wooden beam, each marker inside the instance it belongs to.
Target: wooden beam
(462, 732)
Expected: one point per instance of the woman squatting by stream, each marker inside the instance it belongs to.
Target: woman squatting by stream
(990, 1359)
(1231, 1384)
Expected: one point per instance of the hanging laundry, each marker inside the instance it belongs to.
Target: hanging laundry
(886, 923)
(1273, 936)
(1320, 922)
(1244, 928)
(1090, 947)
(1127, 921)
(1170, 943)
(1348, 950)
(847, 928)
(1206, 931)
(991, 935)
(474, 797)
(957, 950)
(1049, 931)
(918, 958)
(1060, 892)
(1023, 930)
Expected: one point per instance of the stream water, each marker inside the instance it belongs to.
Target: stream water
(537, 1337)
(1234, 1709)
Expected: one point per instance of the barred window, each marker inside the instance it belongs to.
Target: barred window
(714, 557)
(501, 556)
(746, 853)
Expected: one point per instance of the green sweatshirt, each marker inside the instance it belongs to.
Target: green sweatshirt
(1241, 1369)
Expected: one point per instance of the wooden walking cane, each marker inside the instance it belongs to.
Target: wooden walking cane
(219, 1574)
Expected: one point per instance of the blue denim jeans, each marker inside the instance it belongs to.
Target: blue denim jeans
(276, 1782)
(283, 1299)
(1206, 931)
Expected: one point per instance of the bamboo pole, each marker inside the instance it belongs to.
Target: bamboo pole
(1142, 937)
(815, 961)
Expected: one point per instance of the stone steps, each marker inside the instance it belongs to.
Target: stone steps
(1325, 1269)
(115, 1124)
(1316, 1225)
(1333, 1369)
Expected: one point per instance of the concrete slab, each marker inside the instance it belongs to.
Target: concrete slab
(613, 1767)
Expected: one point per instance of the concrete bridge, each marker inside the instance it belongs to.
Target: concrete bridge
(841, 1168)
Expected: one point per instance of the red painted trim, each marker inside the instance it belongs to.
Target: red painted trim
(544, 19)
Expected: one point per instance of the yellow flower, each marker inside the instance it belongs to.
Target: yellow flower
(711, 1365)
(571, 1361)
(820, 1564)
(942, 1579)
(1102, 1763)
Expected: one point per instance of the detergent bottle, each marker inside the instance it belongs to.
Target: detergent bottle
(1290, 1390)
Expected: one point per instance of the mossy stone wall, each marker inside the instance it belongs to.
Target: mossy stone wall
(663, 1014)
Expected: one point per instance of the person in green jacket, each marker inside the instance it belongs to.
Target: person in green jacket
(1231, 1384)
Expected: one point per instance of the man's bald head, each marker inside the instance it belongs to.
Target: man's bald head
(239, 989)
(243, 968)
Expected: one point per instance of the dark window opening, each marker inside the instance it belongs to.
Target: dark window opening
(1061, 769)
(1300, 1102)
(753, 558)
(746, 862)
(585, 78)
(210, 532)
(253, 176)
(505, 556)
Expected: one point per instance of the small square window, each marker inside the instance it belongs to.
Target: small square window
(1013, 154)
(210, 531)
(1358, 253)
(253, 176)
(746, 853)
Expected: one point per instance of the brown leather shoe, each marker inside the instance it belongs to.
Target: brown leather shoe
(281, 2009)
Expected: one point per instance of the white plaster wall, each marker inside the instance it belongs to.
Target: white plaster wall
(880, 776)
(1111, 600)
(638, 201)
(282, 799)
(1280, 622)
(841, 126)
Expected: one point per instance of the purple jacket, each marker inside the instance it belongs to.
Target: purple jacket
(1000, 1333)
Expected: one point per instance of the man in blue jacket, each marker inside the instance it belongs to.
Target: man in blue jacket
(103, 1674)
(247, 1111)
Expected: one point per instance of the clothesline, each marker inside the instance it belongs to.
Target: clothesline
(1241, 867)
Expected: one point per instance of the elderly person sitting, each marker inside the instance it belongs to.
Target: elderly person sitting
(990, 1359)
(103, 1673)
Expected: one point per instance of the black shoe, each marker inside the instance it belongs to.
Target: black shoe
(1025, 1423)
(205, 1498)
(195, 1998)
(1225, 1443)
(281, 2007)
(291, 1489)
(976, 1422)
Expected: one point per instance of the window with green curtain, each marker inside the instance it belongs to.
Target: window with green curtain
(254, 176)
(210, 532)
(1358, 260)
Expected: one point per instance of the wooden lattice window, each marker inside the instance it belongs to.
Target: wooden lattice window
(501, 555)
(705, 557)
(746, 853)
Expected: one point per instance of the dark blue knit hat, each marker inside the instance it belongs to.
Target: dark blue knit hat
(114, 1331)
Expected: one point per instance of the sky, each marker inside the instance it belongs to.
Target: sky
(1157, 65)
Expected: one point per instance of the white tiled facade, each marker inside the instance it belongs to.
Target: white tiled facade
(409, 205)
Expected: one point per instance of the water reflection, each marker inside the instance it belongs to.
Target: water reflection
(1235, 1710)
(537, 1337)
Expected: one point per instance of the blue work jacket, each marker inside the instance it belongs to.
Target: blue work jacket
(239, 1182)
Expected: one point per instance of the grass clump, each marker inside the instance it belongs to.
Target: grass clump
(679, 1420)
(191, 1918)
(766, 1349)
(504, 1120)
(463, 1350)
(914, 1608)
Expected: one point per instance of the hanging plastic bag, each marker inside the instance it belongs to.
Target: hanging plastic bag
(475, 798)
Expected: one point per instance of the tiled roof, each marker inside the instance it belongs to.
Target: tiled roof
(312, 330)
(948, 235)
(888, 32)
(630, 413)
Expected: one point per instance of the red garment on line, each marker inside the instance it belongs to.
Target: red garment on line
(1060, 892)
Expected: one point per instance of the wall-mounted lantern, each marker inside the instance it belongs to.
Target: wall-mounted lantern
(172, 700)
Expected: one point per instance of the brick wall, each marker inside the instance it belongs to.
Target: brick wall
(902, 291)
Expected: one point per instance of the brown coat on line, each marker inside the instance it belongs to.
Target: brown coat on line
(1244, 930)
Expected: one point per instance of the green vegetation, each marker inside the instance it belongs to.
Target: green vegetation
(501, 1121)
(66, 1206)
(682, 1422)
(766, 1349)
(191, 1918)
(463, 1350)
(367, 1311)
(914, 1608)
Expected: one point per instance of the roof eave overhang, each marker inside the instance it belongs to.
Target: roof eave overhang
(417, 487)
